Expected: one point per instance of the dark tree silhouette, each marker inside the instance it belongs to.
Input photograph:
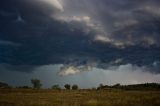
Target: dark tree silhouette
(24, 87)
(75, 87)
(36, 83)
(101, 86)
(56, 87)
(118, 85)
(4, 85)
(67, 86)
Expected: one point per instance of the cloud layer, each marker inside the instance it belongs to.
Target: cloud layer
(80, 33)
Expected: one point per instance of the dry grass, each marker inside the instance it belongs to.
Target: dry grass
(17, 97)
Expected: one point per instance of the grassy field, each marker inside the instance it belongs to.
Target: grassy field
(22, 97)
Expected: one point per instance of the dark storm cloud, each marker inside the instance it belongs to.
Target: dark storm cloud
(42, 39)
(122, 22)
(37, 32)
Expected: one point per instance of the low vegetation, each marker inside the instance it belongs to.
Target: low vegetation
(32, 97)
(36, 83)
(67, 86)
(146, 86)
(71, 95)
(4, 85)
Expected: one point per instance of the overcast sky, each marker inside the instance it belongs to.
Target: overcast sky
(86, 42)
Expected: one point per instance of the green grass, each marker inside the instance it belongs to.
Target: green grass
(22, 97)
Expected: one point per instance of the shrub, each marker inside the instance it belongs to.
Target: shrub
(56, 87)
(75, 87)
(36, 83)
(67, 86)
(24, 87)
(4, 85)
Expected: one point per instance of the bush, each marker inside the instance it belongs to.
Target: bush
(118, 85)
(36, 83)
(4, 85)
(56, 87)
(24, 87)
(67, 86)
(74, 87)
(100, 87)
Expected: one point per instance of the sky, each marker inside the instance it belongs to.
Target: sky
(84, 42)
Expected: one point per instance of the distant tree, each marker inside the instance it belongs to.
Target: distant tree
(101, 86)
(24, 87)
(4, 85)
(67, 86)
(36, 83)
(74, 87)
(56, 87)
(118, 85)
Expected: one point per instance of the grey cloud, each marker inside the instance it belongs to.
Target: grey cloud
(49, 36)
(8, 43)
(123, 22)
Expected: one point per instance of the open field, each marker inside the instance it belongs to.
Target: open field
(29, 97)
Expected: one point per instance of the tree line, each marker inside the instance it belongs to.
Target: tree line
(145, 86)
(36, 84)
